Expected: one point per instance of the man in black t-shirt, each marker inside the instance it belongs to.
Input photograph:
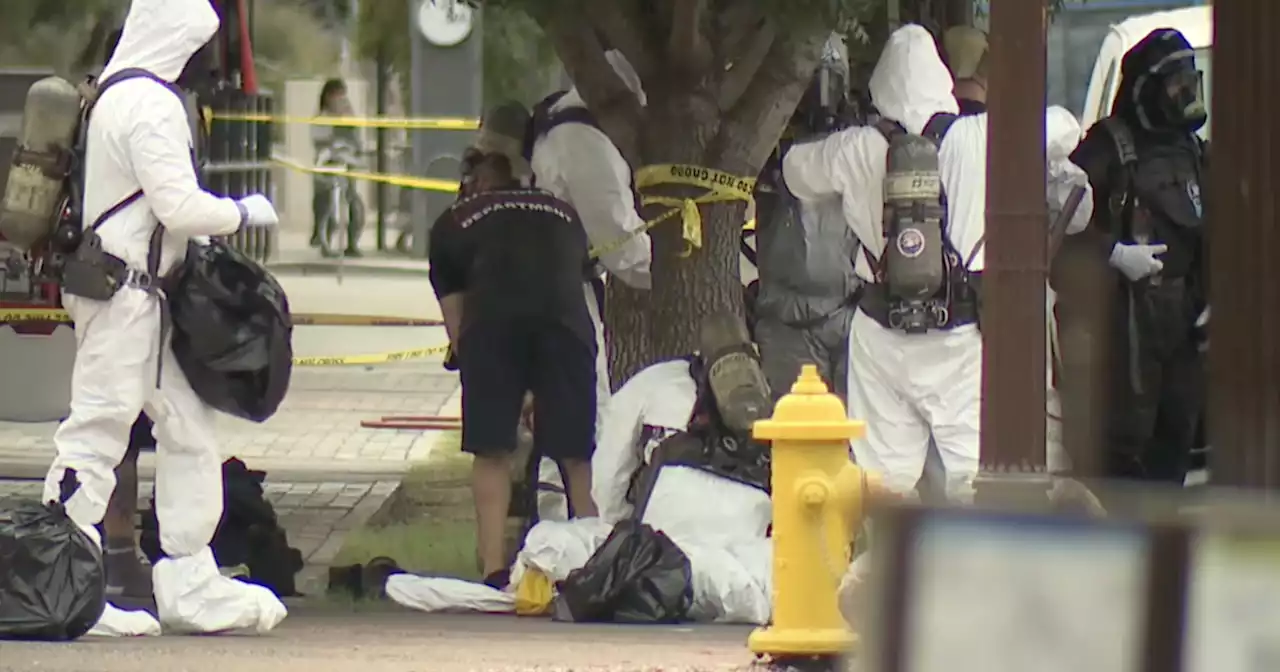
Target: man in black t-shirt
(507, 264)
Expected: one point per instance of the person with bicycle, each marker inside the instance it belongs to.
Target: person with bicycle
(337, 147)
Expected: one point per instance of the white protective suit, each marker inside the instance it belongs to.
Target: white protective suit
(1063, 133)
(139, 138)
(720, 525)
(909, 387)
(580, 164)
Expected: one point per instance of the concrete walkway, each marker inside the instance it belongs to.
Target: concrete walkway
(294, 254)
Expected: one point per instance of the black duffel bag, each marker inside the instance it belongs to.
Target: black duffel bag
(232, 332)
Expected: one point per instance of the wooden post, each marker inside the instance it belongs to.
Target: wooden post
(1244, 355)
(1013, 315)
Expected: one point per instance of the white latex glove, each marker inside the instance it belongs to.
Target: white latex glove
(1137, 261)
(256, 210)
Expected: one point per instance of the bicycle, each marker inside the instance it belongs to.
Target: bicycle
(333, 166)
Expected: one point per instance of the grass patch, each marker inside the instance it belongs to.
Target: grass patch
(428, 524)
(445, 547)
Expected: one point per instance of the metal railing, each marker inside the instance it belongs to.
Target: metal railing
(238, 161)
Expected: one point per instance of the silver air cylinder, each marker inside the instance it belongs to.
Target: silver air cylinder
(34, 193)
(913, 255)
(741, 393)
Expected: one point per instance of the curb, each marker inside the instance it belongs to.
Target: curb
(325, 268)
(278, 470)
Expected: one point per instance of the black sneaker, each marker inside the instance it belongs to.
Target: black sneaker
(498, 580)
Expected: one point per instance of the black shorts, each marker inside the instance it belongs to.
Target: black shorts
(499, 362)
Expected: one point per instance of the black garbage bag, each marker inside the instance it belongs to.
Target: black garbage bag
(232, 333)
(638, 575)
(52, 585)
(248, 536)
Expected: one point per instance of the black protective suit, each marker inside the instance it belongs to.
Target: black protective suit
(1132, 373)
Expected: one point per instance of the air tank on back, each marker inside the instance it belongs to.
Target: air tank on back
(741, 393)
(34, 192)
(913, 218)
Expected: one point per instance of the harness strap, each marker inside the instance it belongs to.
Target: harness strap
(543, 120)
(1126, 150)
(115, 210)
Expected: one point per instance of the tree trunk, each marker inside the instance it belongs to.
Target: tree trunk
(627, 311)
(647, 327)
(685, 290)
(686, 121)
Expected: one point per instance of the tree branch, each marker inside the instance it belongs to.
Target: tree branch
(620, 22)
(688, 50)
(613, 104)
(751, 128)
(742, 64)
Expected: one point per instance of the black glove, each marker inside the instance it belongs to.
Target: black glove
(451, 361)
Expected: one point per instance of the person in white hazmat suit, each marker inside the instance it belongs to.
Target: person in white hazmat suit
(721, 525)
(578, 163)
(911, 387)
(139, 139)
(966, 51)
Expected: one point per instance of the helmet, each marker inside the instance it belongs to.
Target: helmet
(1161, 86)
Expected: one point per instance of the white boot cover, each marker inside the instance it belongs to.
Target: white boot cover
(193, 597)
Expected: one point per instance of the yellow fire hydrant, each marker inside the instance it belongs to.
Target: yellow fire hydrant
(817, 504)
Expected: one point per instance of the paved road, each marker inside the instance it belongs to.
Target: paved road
(388, 640)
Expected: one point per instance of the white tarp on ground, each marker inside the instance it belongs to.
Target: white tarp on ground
(718, 523)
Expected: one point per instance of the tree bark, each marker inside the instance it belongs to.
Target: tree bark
(628, 312)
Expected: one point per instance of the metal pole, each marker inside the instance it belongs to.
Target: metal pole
(380, 93)
(419, 147)
(1013, 286)
(1244, 357)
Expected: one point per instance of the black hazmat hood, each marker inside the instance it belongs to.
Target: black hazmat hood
(1162, 51)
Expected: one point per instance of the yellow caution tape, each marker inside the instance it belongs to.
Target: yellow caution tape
(721, 187)
(407, 181)
(441, 124)
(343, 320)
(26, 315)
(371, 360)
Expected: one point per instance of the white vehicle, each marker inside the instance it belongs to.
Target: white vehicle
(1195, 23)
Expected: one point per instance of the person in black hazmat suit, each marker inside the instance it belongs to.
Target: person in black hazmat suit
(805, 251)
(1139, 400)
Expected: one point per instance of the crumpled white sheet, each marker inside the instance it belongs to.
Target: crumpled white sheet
(731, 584)
(439, 594)
(553, 547)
